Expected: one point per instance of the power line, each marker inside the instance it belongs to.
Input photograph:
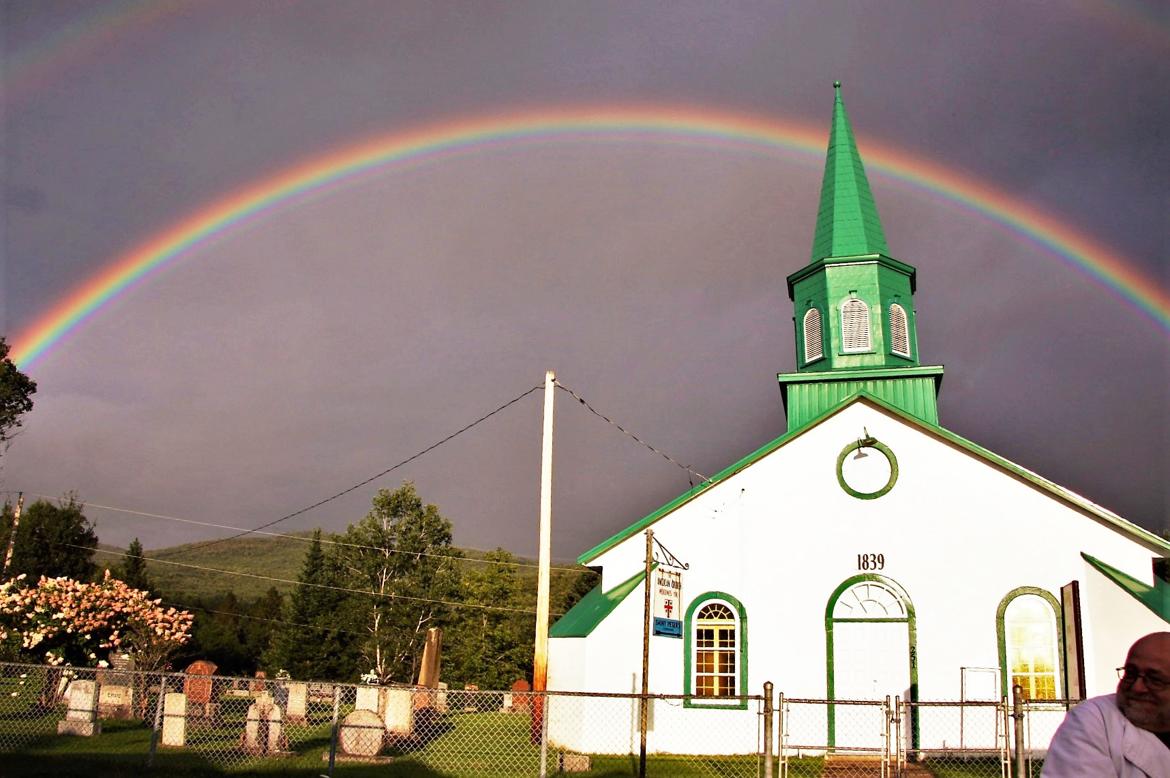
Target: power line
(323, 541)
(687, 468)
(306, 583)
(387, 471)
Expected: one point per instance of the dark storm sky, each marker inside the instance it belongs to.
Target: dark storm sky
(301, 354)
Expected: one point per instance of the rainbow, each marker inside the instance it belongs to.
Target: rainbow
(681, 125)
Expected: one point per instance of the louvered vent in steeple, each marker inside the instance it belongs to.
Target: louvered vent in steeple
(855, 327)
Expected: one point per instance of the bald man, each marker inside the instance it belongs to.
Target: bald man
(1127, 734)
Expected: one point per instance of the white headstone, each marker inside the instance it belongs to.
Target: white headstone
(81, 716)
(298, 702)
(361, 733)
(398, 710)
(174, 732)
(367, 698)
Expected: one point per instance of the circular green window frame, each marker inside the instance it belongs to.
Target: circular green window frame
(875, 444)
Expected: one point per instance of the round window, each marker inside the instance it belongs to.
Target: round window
(867, 469)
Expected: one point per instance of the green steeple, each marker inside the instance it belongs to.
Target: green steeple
(847, 221)
(856, 326)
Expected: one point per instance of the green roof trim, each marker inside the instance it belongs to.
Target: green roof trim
(1156, 597)
(1143, 536)
(592, 609)
(847, 220)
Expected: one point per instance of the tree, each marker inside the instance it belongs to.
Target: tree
(133, 568)
(491, 647)
(317, 639)
(52, 540)
(401, 555)
(65, 621)
(16, 391)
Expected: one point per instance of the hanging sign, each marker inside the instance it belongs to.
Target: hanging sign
(667, 602)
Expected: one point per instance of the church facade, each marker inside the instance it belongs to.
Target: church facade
(866, 552)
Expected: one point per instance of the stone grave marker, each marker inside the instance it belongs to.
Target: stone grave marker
(362, 733)
(369, 698)
(297, 706)
(264, 730)
(81, 716)
(521, 698)
(398, 710)
(441, 698)
(198, 686)
(260, 682)
(116, 701)
(174, 730)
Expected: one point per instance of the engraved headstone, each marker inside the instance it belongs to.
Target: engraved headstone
(197, 685)
(398, 710)
(362, 733)
(81, 716)
(116, 702)
(369, 698)
(264, 728)
(521, 697)
(297, 708)
(174, 731)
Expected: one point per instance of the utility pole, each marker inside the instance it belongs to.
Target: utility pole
(12, 535)
(540, 651)
(642, 715)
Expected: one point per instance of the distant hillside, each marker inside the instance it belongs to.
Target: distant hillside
(186, 570)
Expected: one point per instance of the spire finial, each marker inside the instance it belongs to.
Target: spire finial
(836, 84)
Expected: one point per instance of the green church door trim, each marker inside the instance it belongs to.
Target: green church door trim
(912, 648)
(1001, 637)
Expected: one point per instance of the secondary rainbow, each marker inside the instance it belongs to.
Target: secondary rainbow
(657, 124)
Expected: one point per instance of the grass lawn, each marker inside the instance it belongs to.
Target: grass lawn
(469, 745)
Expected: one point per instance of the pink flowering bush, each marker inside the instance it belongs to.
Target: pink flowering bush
(61, 621)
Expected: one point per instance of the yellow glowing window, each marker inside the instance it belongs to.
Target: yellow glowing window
(716, 650)
(1030, 634)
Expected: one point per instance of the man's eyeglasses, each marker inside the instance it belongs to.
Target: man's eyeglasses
(1154, 683)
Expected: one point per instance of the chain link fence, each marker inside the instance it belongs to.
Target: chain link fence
(217, 725)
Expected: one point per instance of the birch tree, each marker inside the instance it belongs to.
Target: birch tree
(401, 556)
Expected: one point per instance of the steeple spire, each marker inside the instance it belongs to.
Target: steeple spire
(855, 322)
(847, 221)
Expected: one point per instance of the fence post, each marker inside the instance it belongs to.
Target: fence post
(1018, 715)
(768, 713)
(333, 736)
(158, 711)
(544, 735)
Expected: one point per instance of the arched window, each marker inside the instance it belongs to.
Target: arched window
(813, 338)
(899, 331)
(855, 327)
(1029, 643)
(716, 651)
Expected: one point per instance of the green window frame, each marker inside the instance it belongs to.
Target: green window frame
(702, 653)
(1017, 662)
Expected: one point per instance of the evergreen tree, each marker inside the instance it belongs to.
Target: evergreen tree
(51, 540)
(132, 571)
(401, 555)
(318, 640)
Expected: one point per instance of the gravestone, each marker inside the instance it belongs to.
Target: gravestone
(297, 706)
(398, 710)
(116, 702)
(521, 696)
(441, 698)
(362, 733)
(428, 672)
(264, 729)
(198, 686)
(260, 682)
(81, 716)
(174, 730)
(369, 698)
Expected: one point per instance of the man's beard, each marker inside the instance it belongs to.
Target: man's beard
(1145, 711)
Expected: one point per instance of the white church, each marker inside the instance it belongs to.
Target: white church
(867, 551)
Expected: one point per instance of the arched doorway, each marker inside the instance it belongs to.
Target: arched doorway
(870, 652)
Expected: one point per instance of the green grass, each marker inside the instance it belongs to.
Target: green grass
(468, 745)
